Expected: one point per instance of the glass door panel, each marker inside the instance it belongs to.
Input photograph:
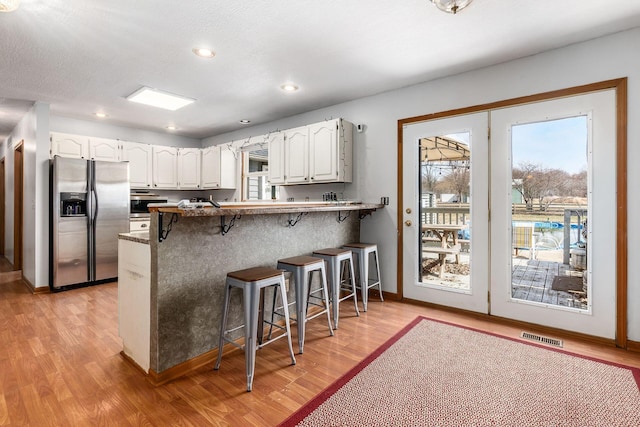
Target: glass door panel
(549, 212)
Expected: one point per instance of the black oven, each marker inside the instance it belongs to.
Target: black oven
(140, 204)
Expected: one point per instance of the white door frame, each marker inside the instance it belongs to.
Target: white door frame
(620, 86)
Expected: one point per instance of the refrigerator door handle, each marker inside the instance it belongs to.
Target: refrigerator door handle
(92, 220)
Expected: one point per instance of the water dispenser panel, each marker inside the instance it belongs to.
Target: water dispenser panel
(73, 204)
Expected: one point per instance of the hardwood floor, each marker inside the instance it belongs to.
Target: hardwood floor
(60, 364)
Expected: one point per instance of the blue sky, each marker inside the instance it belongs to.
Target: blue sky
(555, 144)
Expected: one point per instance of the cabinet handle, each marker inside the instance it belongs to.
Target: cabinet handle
(144, 225)
(311, 178)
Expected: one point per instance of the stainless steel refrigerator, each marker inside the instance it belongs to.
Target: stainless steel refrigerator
(89, 208)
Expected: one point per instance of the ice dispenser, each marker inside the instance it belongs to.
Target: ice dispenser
(73, 204)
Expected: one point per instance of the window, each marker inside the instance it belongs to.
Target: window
(255, 167)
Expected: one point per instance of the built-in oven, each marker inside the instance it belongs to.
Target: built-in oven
(140, 204)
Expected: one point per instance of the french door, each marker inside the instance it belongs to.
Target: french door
(453, 151)
(523, 140)
(515, 240)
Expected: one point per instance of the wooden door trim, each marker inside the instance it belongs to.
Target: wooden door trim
(2, 205)
(18, 198)
(620, 87)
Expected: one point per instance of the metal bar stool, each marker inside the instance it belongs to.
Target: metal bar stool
(302, 269)
(335, 258)
(252, 281)
(363, 252)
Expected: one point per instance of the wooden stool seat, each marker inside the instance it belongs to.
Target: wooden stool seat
(254, 274)
(331, 251)
(299, 261)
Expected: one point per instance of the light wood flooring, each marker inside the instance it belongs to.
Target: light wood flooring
(60, 364)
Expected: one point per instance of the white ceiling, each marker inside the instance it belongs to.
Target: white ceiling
(83, 56)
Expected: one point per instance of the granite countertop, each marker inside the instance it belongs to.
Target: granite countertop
(136, 236)
(266, 208)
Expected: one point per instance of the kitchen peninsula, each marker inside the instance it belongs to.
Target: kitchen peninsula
(171, 279)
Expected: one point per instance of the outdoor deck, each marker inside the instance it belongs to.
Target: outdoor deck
(532, 278)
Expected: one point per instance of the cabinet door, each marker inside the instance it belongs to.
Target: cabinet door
(189, 168)
(323, 146)
(228, 167)
(211, 167)
(276, 158)
(140, 161)
(72, 146)
(107, 150)
(165, 167)
(297, 155)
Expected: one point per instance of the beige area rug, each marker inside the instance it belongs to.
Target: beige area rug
(436, 374)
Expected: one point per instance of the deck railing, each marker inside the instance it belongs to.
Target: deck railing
(458, 214)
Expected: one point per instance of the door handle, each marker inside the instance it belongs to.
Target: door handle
(408, 223)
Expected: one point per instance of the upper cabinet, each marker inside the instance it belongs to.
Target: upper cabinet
(140, 161)
(72, 146)
(165, 167)
(189, 168)
(275, 143)
(108, 150)
(296, 155)
(331, 151)
(318, 153)
(219, 167)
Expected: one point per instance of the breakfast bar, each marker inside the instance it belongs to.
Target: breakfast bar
(171, 278)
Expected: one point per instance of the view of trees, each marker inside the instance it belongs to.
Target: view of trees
(532, 180)
(535, 182)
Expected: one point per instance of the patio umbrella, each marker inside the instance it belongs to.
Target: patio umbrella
(442, 148)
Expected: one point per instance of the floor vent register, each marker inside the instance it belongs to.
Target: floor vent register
(541, 339)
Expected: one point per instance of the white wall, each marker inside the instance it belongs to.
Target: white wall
(375, 150)
(33, 130)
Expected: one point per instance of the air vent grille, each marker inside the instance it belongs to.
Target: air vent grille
(541, 339)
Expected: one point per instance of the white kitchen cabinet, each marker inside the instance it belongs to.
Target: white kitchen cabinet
(317, 153)
(275, 143)
(219, 164)
(330, 151)
(189, 164)
(71, 146)
(140, 158)
(108, 150)
(165, 167)
(296, 154)
(134, 301)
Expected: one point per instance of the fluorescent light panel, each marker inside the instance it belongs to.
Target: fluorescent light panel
(158, 98)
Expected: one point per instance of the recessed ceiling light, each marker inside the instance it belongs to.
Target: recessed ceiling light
(203, 52)
(245, 121)
(171, 127)
(101, 115)
(158, 98)
(289, 87)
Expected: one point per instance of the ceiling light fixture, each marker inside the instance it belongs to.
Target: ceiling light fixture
(101, 115)
(289, 87)
(9, 5)
(172, 127)
(158, 98)
(245, 121)
(451, 6)
(203, 52)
